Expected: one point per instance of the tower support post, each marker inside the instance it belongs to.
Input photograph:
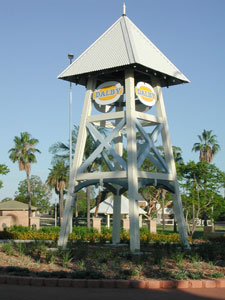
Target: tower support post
(77, 161)
(132, 175)
(117, 197)
(178, 209)
(116, 218)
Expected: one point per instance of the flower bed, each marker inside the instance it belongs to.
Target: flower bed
(164, 261)
(84, 234)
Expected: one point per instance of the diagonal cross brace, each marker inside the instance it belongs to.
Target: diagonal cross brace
(142, 153)
(159, 162)
(104, 155)
(155, 133)
(104, 143)
(145, 148)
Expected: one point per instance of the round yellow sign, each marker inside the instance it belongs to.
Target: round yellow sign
(145, 93)
(108, 92)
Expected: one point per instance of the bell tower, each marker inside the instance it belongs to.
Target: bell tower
(124, 73)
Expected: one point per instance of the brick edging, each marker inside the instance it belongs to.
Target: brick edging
(110, 283)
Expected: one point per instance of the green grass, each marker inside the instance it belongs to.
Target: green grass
(220, 228)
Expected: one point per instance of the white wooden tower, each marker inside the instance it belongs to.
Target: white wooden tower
(124, 73)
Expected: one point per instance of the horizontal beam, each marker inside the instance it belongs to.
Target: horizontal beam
(105, 124)
(161, 176)
(101, 175)
(123, 175)
(93, 182)
(149, 118)
(106, 117)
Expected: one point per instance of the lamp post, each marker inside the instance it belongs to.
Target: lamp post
(55, 211)
(70, 56)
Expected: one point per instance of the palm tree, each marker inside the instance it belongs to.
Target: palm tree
(24, 153)
(60, 152)
(3, 171)
(58, 179)
(207, 146)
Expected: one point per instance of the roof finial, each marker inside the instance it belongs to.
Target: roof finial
(124, 9)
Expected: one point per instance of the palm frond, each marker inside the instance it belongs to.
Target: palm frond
(23, 151)
(207, 147)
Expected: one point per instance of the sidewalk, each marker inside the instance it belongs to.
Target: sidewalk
(16, 292)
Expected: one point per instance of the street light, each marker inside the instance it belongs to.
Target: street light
(70, 56)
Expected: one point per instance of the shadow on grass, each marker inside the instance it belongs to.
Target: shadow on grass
(96, 261)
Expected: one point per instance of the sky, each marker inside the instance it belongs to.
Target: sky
(36, 37)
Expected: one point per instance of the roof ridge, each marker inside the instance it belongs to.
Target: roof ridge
(91, 46)
(154, 46)
(127, 40)
(123, 44)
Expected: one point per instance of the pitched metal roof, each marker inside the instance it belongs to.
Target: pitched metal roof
(122, 44)
(15, 205)
(106, 207)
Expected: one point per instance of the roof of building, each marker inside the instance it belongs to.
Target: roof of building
(106, 207)
(123, 44)
(15, 205)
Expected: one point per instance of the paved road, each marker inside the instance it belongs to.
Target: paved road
(15, 292)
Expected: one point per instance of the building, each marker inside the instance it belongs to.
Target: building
(16, 213)
(168, 214)
(106, 209)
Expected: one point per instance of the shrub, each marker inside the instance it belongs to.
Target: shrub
(124, 237)
(50, 257)
(8, 248)
(21, 248)
(20, 228)
(87, 275)
(6, 235)
(44, 274)
(105, 230)
(216, 275)
(178, 257)
(50, 230)
(129, 272)
(82, 231)
(59, 274)
(14, 270)
(195, 275)
(66, 258)
(181, 275)
(211, 251)
(79, 274)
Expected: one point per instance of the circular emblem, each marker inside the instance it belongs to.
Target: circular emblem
(145, 93)
(108, 93)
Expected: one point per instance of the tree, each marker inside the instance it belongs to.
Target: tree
(60, 152)
(40, 193)
(3, 170)
(202, 183)
(177, 154)
(24, 153)
(207, 147)
(58, 179)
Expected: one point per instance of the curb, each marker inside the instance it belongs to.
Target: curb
(110, 283)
